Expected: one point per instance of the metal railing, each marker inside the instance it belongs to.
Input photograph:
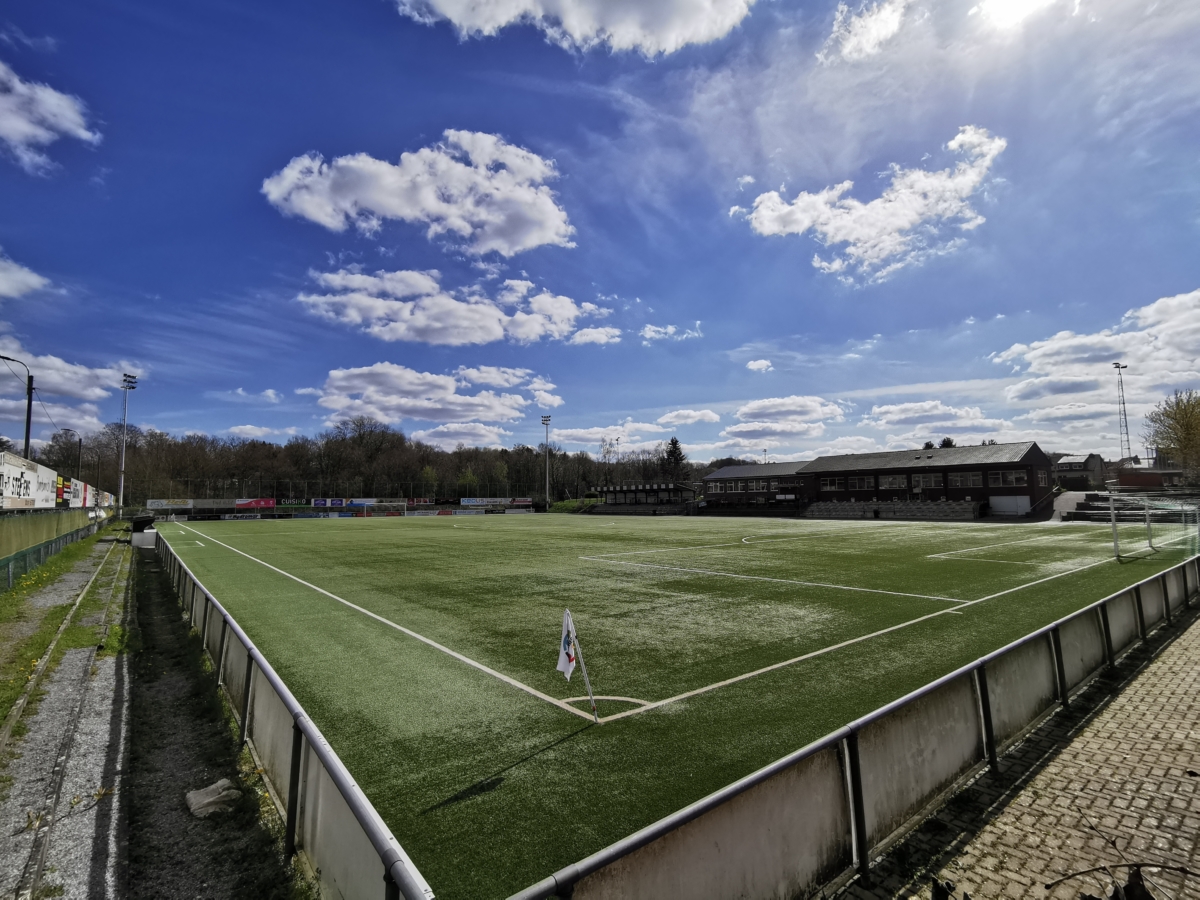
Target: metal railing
(326, 814)
(875, 807)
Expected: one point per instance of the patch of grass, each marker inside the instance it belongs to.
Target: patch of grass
(489, 788)
(570, 506)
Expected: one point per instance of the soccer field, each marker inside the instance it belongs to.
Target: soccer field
(424, 649)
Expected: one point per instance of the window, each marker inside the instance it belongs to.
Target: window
(1076, 465)
(774, 485)
(741, 486)
(1043, 479)
(716, 487)
(1011, 478)
(927, 480)
(861, 482)
(966, 479)
(833, 484)
(893, 482)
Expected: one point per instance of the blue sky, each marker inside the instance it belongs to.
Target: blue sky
(781, 226)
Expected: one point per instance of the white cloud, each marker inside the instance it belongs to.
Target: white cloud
(605, 335)
(16, 280)
(688, 417)
(55, 376)
(760, 365)
(84, 418)
(257, 431)
(629, 431)
(1160, 342)
(896, 229)
(662, 26)
(241, 395)
(495, 376)
(546, 400)
(782, 429)
(390, 392)
(651, 333)
(856, 36)
(1071, 412)
(470, 434)
(1009, 13)
(479, 188)
(411, 306)
(789, 409)
(744, 182)
(33, 116)
(928, 416)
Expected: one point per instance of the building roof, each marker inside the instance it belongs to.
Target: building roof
(1075, 458)
(938, 457)
(758, 470)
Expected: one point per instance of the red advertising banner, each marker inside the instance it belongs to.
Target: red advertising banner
(522, 501)
(253, 503)
(420, 501)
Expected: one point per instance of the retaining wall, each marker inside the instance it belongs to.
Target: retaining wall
(812, 819)
(327, 817)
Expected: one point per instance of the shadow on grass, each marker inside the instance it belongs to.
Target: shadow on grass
(493, 781)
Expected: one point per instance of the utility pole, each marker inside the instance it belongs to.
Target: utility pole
(128, 383)
(546, 422)
(1122, 417)
(28, 400)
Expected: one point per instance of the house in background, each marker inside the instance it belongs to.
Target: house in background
(1079, 472)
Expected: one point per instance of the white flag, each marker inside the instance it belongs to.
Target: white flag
(566, 646)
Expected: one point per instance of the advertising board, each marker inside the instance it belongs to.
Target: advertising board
(361, 501)
(45, 489)
(169, 504)
(509, 512)
(420, 501)
(485, 501)
(241, 516)
(468, 512)
(293, 501)
(255, 503)
(422, 512)
(17, 479)
(329, 501)
(522, 501)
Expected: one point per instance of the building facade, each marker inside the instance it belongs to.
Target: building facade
(1005, 479)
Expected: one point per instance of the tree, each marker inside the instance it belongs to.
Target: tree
(1173, 427)
(947, 442)
(6, 446)
(928, 445)
(990, 442)
(674, 459)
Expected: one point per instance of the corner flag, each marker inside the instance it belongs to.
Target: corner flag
(566, 647)
(569, 651)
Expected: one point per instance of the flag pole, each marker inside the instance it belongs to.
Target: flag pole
(586, 680)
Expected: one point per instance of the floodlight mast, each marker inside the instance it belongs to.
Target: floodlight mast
(28, 400)
(1122, 416)
(546, 422)
(128, 383)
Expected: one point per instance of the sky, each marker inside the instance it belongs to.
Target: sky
(768, 227)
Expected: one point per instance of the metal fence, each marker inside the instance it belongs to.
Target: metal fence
(24, 561)
(327, 816)
(813, 818)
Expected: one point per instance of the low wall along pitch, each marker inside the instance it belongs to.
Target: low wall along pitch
(327, 817)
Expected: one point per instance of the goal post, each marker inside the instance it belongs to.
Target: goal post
(1153, 524)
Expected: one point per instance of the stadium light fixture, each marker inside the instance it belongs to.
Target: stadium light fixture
(546, 422)
(79, 460)
(28, 400)
(128, 383)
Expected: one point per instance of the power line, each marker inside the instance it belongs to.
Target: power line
(46, 411)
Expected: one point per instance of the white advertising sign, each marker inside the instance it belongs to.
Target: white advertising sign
(45, 489)
(485, 501)
(168, 504)
(18, 481)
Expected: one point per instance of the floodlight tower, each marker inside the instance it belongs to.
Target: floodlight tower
(546, 422)
(1122, 416)
(128, 383)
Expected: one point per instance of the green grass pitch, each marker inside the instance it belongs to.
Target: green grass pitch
(491, 787)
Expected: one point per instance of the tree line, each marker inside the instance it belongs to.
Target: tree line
(361, 457)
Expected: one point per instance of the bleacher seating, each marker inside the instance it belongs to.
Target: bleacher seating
(941, 509)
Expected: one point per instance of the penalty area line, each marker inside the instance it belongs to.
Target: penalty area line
(408, 631)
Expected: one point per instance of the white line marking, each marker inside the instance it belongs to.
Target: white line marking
(608, 697)
(1041, 537)
(836, 587)
(420, 637)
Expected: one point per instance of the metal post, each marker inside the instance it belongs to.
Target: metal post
(1108, 644)
(221, 651)
(546, 422)
(128, 383)
(1060, 668)
(857, 806)
(985, 707)
(1149, 533)
(1112, 514)
(391, 890)
(204, 627)
(248, 684)
(293, 803)
(1166, 595)
(1141, 613)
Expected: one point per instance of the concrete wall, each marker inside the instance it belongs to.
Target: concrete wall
(913, 754)
(1083, 647)
(1022, 687)
(1122, 622)
(780, 839)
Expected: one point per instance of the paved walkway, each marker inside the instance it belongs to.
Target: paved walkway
(1116, 779)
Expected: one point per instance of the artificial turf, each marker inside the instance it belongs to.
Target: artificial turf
(490, 788)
